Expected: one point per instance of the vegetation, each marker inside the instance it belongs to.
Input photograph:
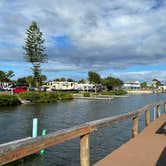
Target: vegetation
(94, 77)
(116, 92)
(8, 100)
(82, 81)
(6, 76)
(109, 82)
(144, 85)
(112, 83)
(29, 81)
(86, 94)
(21, 81)
(158, 83)
(64, 79)
(34, 51)
(45, 97)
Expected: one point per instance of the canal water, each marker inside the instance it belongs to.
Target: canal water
(16, 123)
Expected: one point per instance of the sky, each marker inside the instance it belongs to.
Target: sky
(119, 38)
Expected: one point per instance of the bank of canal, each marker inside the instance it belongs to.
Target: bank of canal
(16, 123)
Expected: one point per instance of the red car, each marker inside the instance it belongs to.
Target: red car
(20, 89)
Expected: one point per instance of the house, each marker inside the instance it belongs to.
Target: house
(132, 85)
(162, 87)
(71, 86)
(85, 87)
(60, 85)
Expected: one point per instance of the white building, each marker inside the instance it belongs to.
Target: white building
(162, 87)
(71, 86)
(62, 85)
(152, 84)
(132, 85)
(85, 87)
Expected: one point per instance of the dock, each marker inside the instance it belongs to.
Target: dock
(147, 149)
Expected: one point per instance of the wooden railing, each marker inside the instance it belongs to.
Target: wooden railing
(18, 149)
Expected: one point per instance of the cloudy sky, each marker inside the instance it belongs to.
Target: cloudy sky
(122, 38)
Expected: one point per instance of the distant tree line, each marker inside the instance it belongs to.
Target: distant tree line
(110, 82)
(30, 81)
(93, 77)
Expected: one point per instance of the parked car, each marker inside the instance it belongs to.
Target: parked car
(20, 89)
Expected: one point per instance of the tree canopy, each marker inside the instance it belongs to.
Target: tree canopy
(112, 83)
(94, 77)
(158, 83)
(6, 76)
(35, 50)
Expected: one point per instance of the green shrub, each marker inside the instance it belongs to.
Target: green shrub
(45, 97)
(8, 100)
(86, 94)
(120, 92)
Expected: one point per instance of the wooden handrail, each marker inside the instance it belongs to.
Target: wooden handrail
(16, 150)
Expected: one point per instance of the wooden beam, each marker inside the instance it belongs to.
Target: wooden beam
(158, 110)
(84, 150)
(147, 117)
(135, 127)
(15, 151)
(164, 107)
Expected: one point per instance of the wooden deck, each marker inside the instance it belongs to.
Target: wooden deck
(147, 149)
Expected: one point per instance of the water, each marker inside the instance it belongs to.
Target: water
(16, 123)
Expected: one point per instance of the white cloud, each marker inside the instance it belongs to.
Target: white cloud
(141, 75)
(104, 34)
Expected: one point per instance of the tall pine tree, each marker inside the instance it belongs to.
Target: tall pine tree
(35, 50)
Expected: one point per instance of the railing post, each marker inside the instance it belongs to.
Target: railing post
(147, 117)
(135, 126)
(158, 111)
(164, 107)
(84, 150)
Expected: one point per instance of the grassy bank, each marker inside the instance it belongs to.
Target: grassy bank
(8, 100)
(86, 94)
(116, 92)
(45, 97)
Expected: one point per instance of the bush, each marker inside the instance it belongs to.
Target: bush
(116, 92)
(86, 94)
(45, 97)
(120, 92)
(8, 100)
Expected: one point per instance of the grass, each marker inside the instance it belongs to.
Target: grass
(86, 94)
(45, 97)
(8, 100)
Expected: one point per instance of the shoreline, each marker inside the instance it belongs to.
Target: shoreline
(139, 91)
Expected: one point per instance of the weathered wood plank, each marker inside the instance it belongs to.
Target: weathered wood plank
(84, 150)
(164, 107)
(147, 117)
(16, 141)
(9, 153)
(135, 127)
(158, 110)
(144, 109)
